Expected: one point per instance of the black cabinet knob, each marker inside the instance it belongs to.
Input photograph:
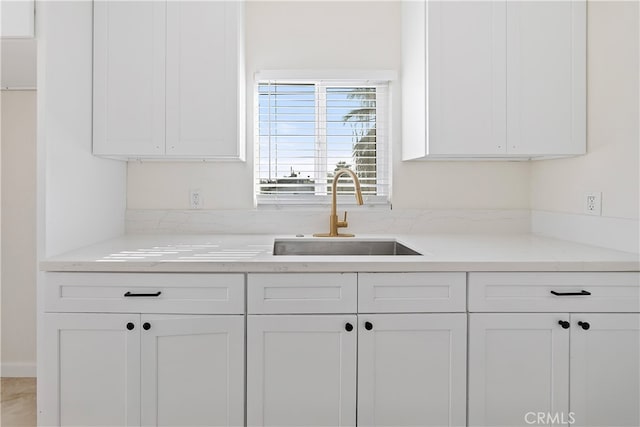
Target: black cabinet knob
(130, 326)
(146, 326)
(564, 324)
(584, 325)
(368, 326)
(348, 327)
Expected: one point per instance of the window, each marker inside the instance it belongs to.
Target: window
(307, 130)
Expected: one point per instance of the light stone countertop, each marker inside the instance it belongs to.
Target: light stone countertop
(253, 253)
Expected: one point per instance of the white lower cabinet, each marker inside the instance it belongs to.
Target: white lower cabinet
(340, 350)
(92, 370)
(412, 370)
(605, 369)
(581, 369)
(301, 370)
(192, 370)
(132, 369)
(518, 363)
(341, 369)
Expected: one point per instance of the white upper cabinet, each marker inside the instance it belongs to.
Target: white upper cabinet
(493, 79)
(466, 74)
(546, 77)
(168, 80)
(129, 78)
(202, 79)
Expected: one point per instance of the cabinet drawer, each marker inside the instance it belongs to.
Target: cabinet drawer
(302, 293)
(167, 293)
(554, 292)
(411, 292)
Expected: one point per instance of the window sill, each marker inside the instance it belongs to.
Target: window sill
(321, 207)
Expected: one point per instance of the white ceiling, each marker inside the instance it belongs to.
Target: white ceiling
(18, 63)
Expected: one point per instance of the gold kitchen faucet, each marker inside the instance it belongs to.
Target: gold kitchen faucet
(334, 224)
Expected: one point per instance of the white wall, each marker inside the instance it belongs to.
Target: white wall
(0, 232)
(18, 64)
(18, 232)
(328, 35)
(84, 195)
(612, 165)
(81, 199)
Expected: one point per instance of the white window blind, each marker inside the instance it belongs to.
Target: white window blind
(306, 130)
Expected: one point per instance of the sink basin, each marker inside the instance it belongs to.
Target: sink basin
(340, 247)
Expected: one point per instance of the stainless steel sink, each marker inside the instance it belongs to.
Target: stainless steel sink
(340, 247)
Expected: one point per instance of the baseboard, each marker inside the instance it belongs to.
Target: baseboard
(18, 370)
(621, 234)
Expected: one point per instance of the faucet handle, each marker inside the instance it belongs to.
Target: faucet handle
(344, 222)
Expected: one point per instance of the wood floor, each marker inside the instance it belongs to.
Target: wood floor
(18, 402)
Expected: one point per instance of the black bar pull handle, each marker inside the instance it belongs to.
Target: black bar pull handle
(567, 294)
(155, 294)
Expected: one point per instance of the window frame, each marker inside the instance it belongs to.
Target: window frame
(379, 79)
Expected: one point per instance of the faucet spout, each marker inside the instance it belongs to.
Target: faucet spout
(334, 223)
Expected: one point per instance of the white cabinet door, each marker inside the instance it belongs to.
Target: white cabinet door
(605, 369)
(129, 78)
(192, 370)
(518, 364)
(453, 75)
(91, 374)
(493, 79)
(546, 77)
(466, 73)
(301, 370)
(203, 78)
(412, 370)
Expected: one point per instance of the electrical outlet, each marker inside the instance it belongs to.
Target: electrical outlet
(195, 199)
(593, 203)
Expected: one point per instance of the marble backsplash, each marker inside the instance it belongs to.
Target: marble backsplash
(314, 220)
(621, 234)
